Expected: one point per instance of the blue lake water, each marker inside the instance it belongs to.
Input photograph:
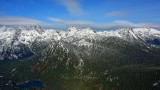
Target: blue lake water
(37, 84)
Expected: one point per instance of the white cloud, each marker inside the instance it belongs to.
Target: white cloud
(125, 23)
(13, 20)
(67, 22)
(73, 6)
(114, 24)
(116, 13)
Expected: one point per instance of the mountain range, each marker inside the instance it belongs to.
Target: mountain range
(75, 55)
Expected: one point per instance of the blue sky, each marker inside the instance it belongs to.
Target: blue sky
(93, 13)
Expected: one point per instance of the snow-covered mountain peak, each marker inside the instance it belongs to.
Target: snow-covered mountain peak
(88, 31)
(13, 39)
(29, 27)
(27, 35)
(78, 33)
(72, 29)
(139, 30)
(148, 31)
(139, 34)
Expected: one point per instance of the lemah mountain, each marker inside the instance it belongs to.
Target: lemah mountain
(80, 59)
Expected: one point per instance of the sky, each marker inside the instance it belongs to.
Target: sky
(83, 13)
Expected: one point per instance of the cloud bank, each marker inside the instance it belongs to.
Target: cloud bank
(114, 24)
(116, 13)
(58, 23)
(67, 22)
(13, 20)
